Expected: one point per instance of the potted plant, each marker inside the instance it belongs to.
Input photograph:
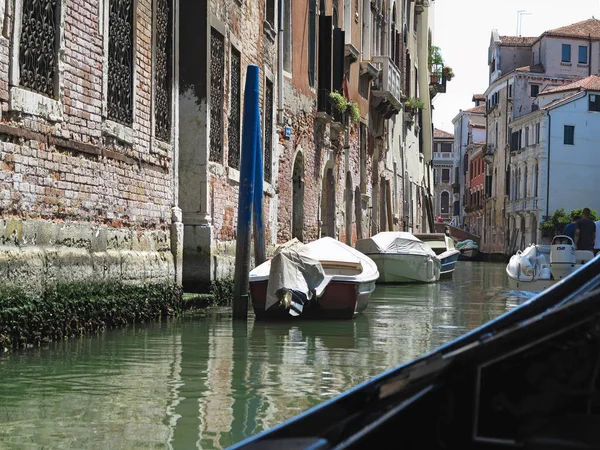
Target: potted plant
(447, 73)
(345, 106)
(412, 104)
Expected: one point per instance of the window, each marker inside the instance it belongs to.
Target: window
(526, 136)
(537, 133)
(312, 30)
(120, 61)
(270, 12)
(569, 135)
(445, 203)
(287, 37)
(583, 54)
(515, 141)
(163, 69)
(510, 88)
(268, 131)
(566, 53)
(233, 132)
(535, 90)
(445, 175)
(217, 72)
(446, 148)
(39, 46)
(594, 102)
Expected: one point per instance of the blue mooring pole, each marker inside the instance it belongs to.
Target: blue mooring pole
(260, 250)
(251, 124)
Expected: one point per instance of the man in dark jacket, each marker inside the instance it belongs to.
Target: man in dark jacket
(585, 235)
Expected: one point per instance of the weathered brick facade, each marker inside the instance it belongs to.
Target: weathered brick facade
(70, 178)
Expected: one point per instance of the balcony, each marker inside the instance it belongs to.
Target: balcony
(524, 205)
(456, 188)
(437, 81)
(488, 153)
(443, 156)
(387, 95)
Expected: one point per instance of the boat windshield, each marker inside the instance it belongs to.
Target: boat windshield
(562, 240)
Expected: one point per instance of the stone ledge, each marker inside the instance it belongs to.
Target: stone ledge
(35, 269)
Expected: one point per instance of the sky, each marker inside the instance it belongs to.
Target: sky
(462, 29)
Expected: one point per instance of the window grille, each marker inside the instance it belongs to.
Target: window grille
(217, 69)
(38, 45)
(163, 75)
(120, 61)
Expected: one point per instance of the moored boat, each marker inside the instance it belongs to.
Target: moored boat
(527, 379)
(443, 246)
(540, 266)
(401, 257)
(322, 279)
(469, 250)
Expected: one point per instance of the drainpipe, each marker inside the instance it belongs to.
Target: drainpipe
(548, 176)
(280, 65)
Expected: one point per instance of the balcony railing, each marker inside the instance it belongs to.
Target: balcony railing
(437, 81)
(524, 205)
(387, 88)
(446, 156)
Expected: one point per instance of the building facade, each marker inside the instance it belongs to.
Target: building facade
(443, 173)
(521, 68)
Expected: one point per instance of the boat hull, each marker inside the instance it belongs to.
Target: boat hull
(469, 254)
(530, 286)
(340, 300)
(448, 265)
(401, 268)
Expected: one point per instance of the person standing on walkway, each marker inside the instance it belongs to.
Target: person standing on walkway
(585, 235)
(571, 227)
(597, 240)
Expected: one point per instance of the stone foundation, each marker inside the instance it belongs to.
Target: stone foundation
(36, 255)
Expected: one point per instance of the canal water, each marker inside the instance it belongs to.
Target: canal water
(208, 382)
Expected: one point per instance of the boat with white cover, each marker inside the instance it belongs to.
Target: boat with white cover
(322, 279)
(401, 257)
(443, 246)
(540, 266)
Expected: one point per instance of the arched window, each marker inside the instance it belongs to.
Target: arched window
(445, 203)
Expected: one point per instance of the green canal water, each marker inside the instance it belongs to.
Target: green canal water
(209, 382)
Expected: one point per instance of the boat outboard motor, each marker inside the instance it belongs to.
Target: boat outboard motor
(562, 257)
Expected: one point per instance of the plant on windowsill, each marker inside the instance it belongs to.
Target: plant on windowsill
(411, 105)
(345, 106)
(469, 208)
(447, 73)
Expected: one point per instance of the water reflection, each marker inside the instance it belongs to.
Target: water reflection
(210, 382)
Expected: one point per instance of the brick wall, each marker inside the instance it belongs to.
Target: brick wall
(75, 169)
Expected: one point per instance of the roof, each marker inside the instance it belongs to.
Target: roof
(477, 125)
(477, 97)
(585, 28)
(477, 109)
(441, 134)
(538, 68)
(591, 83)
(560, 101)
(517, 40)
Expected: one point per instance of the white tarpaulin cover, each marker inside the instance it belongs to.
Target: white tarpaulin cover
(293, 268)
(398, 242)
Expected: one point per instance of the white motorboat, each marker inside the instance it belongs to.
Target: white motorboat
(322, 279)
(540, 266)
(401, 257)
(443, 246)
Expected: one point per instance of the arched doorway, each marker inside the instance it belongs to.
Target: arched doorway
(445, 204)
(358, 214)
(534, 227)
(328, 204)
(348, 209)
(298, 198)
(523, 236)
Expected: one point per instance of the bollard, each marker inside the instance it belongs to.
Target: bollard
(251, 124)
